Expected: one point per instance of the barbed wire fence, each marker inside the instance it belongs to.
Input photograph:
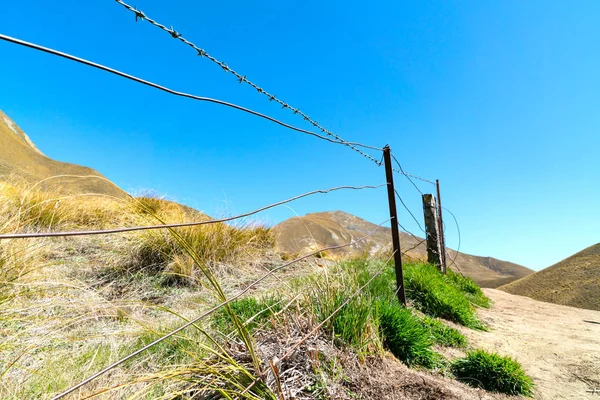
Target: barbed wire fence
(322, 134)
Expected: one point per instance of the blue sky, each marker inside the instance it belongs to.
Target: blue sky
(499, 100)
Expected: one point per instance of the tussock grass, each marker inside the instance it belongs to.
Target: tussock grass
(434, 295)
(471, 290)
(160, 252)
(374, 319)
(493, 372)
(353, 325)
(442, 334)
(405, 336)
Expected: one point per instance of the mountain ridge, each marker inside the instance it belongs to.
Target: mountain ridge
(21, 162)
(325, 229)
(574, 281)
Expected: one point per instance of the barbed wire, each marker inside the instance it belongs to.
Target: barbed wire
(140, 15)
(171, 91)
(408, 176)
(212, 310)
(184, 224)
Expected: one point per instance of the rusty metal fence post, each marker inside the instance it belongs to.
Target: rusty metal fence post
(441, 236)
(389, 175)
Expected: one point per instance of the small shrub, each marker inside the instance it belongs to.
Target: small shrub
(493, 372)
(405, 336)
(443, 334)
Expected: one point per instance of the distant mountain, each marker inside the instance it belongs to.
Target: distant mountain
(22, 162)
(299, 235)
(575, 281)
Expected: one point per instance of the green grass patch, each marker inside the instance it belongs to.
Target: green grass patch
(471, 290)
(175, 350)
(250, 310)
(443, 334)
(352, 324)
(406, 337)
(431, 293)
(493, 372)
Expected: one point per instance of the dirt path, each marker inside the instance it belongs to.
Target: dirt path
(556, 347)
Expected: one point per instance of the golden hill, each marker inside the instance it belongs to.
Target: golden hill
(301, 234)
(575, 281)
(22, 162)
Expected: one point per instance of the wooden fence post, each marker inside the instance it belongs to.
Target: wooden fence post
(434, 253)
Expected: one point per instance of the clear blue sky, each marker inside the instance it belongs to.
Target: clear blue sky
(497, 99)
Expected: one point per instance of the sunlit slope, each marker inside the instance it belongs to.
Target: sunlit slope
(299, 235)
(22, 162)
(574, 281)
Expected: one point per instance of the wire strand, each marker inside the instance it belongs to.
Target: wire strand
(409, 175)
(171, 91)
(179, 225)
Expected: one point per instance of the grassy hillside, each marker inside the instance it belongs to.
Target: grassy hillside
(574, 281)
(71, 306)
(307, 330)
(313, 231)
(22, 163)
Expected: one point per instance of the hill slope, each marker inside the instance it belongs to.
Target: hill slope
(574, 281)
(22, 162)
(317, 230)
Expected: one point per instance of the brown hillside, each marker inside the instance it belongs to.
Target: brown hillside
(22, 162)
(574, 281)
(313, 231)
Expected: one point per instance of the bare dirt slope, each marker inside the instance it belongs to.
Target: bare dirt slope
(554, 344)
(22, 162)
(575, 281)
(317, 230)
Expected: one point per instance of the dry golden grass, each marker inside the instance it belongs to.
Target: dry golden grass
(68, 307)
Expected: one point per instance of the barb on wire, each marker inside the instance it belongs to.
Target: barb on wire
(408, 175)
(171, 91)
(210, 311)
(243, 79)
(410, 212)
(165, 226)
